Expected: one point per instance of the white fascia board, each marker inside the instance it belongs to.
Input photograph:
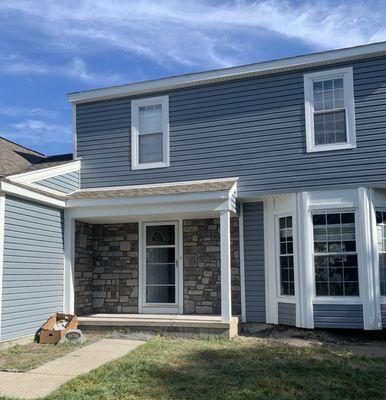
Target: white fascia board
(45, 189)
(45, 173)
(154, 200)
(152, 185)
(141, 210)
(266, 67)
(16, 190)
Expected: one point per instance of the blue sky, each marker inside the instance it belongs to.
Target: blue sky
(51, 48)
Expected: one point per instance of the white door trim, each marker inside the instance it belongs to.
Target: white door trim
(153, 308)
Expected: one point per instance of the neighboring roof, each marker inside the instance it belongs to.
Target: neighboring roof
(15, 159)
(154, 190)
(261, 68)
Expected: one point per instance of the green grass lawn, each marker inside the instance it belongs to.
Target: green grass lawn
(21, 358)
(240, 369)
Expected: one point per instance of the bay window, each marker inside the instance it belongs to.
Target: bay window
(335, 254)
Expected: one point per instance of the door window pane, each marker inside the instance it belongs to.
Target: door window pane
(160, 294)
(160, 235)
(160, 255)
(335, 258)
(160, 274)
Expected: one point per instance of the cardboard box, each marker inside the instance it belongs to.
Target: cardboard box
(48, 335)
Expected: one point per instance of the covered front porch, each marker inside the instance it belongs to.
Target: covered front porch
(168, 259)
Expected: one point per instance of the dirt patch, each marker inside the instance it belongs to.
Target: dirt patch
(360, 342)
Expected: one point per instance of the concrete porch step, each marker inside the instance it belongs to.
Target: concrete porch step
(185, 324)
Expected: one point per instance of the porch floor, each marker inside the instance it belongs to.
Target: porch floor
(187, 324)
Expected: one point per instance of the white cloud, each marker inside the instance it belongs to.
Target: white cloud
(76, 69)
(202, 33)
(36, 132)
(17, 111)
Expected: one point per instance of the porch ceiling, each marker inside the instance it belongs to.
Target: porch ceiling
(193, 199)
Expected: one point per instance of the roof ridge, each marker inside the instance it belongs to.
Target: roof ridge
(20, 145)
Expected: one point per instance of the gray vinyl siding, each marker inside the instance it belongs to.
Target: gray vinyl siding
(287, 314)
(253, 128)
(348, 316)
(383, 314)
(33, 266)
(65, 183)
(253, 221)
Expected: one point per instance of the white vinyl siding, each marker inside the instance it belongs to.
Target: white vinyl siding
(150, 133)
(329, 107)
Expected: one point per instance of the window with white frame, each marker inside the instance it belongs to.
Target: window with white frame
(329, 109)
(381, 239)
(150, 132)
(335, 254)
(286, 256)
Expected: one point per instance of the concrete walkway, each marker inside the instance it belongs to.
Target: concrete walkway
(43, 380)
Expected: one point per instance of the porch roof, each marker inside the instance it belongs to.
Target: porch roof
(217, 185)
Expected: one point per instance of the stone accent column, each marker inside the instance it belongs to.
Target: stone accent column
(115, 275)
(202, 287)
(84, 236)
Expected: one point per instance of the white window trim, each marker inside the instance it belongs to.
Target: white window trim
(135, 104)
(337, 299)
(348, 88)
(283, 298)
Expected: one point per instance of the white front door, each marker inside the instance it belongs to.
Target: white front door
(160, 269)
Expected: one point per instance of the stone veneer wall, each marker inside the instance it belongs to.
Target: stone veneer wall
(202, 279)
(106, 267)
(84, 252)
(115, 275)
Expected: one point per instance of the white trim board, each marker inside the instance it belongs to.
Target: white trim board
(266, 67)
(165, 184)
(45, 173)
(9, 188)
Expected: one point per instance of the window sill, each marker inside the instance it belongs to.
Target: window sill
(287, 299)
(382, 300)
(330, 147)
(337, 300)
(150, 166)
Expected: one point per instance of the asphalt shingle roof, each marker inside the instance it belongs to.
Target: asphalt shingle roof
(15, 159)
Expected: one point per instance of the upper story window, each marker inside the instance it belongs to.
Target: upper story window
(150, 132)
(335, 254)
(329, 108)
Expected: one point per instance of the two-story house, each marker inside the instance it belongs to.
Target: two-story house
(256, 192)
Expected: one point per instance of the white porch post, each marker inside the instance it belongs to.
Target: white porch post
(225, 247)
(368, 264)
(69, 257)
(304, 271)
